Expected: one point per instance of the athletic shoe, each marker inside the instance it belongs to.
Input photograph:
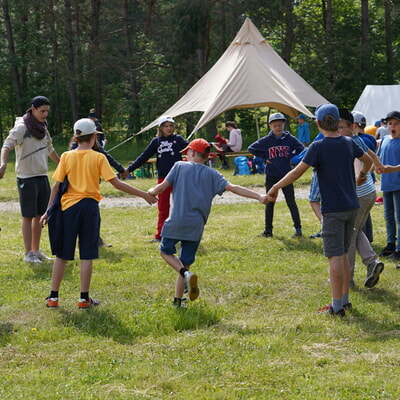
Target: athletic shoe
(265, 234)
(31, 258)
(316, 235)
(388, 250)
(297, 234)
(373, 271)
(88, 303)
(52, 302)
(42, 257)
(395, 256)
(191, 282)
(329, 310)
(102, 243)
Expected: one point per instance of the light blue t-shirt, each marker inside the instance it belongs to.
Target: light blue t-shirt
(194, 187)
(389, 153)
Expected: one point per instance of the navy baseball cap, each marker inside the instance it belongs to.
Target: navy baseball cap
(39, 101)
(326, 109)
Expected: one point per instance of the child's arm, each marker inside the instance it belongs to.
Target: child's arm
(124, 187)
(44, 217)
(289, 178)
(244, 192)
(156, 190)
(387, 169)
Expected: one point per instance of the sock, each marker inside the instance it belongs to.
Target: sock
(337, 304)
(85, 295)
(345, 299)
(182, 272)
(53, 294)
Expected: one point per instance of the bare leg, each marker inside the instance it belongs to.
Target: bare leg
(27, 233)
(177, 265)
(58, 273)
(86, 274)
(36, 234)
(337, 275)
(316, 207)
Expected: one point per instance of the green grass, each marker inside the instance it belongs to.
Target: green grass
(253, 333)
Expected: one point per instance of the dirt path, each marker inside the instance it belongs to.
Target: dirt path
(110, 202)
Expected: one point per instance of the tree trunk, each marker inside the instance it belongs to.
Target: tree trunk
(12, 56)
(389, 43)
(71, 60)
(289, 37)
(96, 4)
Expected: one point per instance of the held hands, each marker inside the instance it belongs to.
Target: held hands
(125, 174)
(361, 178)
(264, 199)
(272, 195)
(150, 198)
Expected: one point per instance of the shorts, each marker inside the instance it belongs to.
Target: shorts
(187, 252)
(82, 221)
(314, 189)
(34, 194)
(337, 230)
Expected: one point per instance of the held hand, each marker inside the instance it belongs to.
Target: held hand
(125, 174)
(361, 178)
(151, 199)
(272, 195)
(264, 199)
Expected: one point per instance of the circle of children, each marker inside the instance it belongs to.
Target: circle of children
(342, 192)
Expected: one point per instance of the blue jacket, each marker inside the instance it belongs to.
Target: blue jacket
(277, 151)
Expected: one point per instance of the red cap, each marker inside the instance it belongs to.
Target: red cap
(200, 145)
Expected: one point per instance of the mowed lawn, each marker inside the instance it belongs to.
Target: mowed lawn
(253, 333)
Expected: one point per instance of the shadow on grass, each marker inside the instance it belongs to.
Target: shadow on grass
(44, 270)
(97, 322)
(6, 330)
(159, 322)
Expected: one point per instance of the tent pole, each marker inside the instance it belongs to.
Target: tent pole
(257, 127)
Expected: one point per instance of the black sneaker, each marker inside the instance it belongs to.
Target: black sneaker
(347, 306)
(329, 310)
(373, 272)
(316, 235)
(395, 256)
(297, 234)
(265, 234)
(388, 250)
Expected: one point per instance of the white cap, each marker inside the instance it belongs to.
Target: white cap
(276, 117)
(165, 118)
(85, 126)
(359, 118)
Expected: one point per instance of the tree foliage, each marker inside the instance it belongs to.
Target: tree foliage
(131, 60)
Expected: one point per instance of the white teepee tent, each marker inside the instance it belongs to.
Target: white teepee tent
(249, 74)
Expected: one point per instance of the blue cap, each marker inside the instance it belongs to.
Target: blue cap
(378, 122)
(301, 116)
(326, 109)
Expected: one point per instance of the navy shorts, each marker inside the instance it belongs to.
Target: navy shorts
(187, 252)
(337, 230)
(81, 221)
(34, 194)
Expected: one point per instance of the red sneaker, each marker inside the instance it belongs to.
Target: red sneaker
(51, 302)
(88, 303)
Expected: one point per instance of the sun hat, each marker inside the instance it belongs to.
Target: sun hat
(276, 117)
(199, 145)
(85, 126)
(165, 118)
(39, 101)
(326, 109)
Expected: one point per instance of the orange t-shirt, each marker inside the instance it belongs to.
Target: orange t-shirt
(83, 169)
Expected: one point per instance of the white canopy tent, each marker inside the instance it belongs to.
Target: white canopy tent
(376, 101)
(249, 74)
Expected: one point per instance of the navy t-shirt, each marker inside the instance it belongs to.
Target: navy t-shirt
(333, 160)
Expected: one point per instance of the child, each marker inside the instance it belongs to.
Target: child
(389, 153)
(277, 148)
(80, 209)
(332, 157)
(303, 130)
(167, 147)
(195, 186)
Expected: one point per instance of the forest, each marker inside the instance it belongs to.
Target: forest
(133, 59)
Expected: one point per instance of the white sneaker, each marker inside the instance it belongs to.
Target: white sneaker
(31, 258)
(191, 284)
(41, 256)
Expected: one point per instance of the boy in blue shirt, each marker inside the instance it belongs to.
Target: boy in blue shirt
(333, 159)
